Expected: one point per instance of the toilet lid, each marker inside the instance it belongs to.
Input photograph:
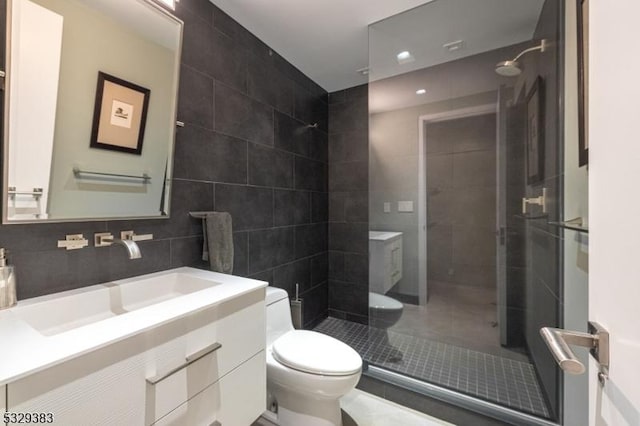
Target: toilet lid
(316, 353)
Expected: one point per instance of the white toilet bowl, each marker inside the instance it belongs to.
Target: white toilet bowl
(384, 311)
(307, 372)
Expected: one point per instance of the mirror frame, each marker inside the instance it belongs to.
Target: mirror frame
(5, 133)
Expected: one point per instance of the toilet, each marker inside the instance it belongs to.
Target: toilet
(307, 372)
(384, 311)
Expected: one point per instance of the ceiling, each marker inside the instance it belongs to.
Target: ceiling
(481, 25)
(472, 75)
(328, 40)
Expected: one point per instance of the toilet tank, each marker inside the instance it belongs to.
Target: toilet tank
(278, 314)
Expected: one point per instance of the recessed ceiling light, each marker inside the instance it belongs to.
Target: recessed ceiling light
(453, 46)
(421, 92)
(169, 3)
(405, 57)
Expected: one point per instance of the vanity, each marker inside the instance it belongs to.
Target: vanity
(385, 264)
(178, 347)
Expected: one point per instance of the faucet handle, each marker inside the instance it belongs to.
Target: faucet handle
(102, 239)
(73, 242)
(132, 236)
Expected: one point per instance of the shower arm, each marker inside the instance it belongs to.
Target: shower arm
(541, 47)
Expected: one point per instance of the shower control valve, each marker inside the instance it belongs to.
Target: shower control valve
(540, 201)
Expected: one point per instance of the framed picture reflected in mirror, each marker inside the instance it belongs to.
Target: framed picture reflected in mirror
(120, 115)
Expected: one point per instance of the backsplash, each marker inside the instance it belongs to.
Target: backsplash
(241, 150)
(349, 204)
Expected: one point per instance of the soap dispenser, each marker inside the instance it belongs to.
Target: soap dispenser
(7, 282)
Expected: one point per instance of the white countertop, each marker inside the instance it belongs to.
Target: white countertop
(26, 351)
(384, 235)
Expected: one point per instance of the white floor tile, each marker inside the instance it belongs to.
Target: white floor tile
(364, 409)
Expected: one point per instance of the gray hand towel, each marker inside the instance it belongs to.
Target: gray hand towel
(218, 242)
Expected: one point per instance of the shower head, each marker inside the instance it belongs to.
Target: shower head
(508, 68)
(512, 68)
(301, 129)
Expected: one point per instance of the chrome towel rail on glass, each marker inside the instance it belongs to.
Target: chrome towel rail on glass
(78, 173)
(576, 224)
(35, 193)
(597, 340)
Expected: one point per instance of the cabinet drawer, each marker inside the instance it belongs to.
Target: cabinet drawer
(236, 399)
(189, 364)
(108, 386)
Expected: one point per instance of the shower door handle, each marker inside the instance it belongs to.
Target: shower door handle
(597, 340)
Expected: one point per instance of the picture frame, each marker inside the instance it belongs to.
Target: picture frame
(583, 82)
(120, 115)
(535, 139)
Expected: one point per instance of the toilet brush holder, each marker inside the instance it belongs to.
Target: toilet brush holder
(296, 311)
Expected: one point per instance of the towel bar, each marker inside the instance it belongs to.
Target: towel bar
(77, 172)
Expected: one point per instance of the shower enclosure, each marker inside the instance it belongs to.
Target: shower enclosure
(465, 173)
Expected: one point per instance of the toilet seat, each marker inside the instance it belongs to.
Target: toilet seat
(316, 353)
(380, 301)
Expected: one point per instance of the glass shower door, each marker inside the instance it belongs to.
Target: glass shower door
(456, 143)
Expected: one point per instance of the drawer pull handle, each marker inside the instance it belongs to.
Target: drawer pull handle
(189, 360)
(203, 352)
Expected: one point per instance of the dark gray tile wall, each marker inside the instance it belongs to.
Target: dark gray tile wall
(461, 178)
(348, 204)
(534, 247)
(515, 232)
(244, 149)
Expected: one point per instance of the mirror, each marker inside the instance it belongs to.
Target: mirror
(90, 110)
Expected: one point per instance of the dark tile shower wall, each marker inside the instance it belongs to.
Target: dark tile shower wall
(534, 246)
(515, 232)
(461, 178)
(349, 204)
(244, 149)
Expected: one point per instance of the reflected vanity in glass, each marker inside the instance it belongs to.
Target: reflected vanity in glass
(90, 109)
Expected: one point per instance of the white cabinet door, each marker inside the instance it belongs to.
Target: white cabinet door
(614, 207)
(105, 387)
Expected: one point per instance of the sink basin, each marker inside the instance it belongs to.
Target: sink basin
(74, 309)
(142, 293)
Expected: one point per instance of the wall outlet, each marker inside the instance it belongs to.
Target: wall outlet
(387, 207)
(405, 206)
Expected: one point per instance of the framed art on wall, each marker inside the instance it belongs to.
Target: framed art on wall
(535, 132)
(120, 115)
(583, 82)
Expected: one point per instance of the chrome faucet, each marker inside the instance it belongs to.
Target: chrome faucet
(106, 239)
